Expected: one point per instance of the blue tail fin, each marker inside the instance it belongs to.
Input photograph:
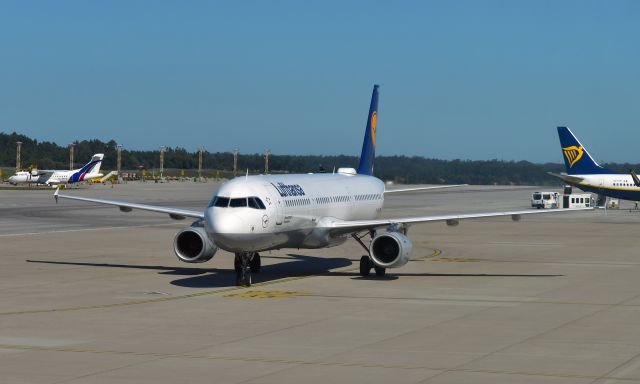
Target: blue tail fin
(577, 160)
(369, 144)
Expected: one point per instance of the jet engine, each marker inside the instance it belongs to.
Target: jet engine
(192, 245)
(390, 250)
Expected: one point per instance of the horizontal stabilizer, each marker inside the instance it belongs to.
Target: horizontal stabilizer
(567, 178)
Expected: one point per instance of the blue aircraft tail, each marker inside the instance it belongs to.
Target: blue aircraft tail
(577, 160)
(369, 144)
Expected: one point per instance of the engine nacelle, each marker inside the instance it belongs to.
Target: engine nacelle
(192, 245)
(390, 250)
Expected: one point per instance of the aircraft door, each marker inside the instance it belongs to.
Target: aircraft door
(275, 204)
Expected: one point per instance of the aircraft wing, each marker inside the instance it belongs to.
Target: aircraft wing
(44, 176)
(358, 225)
(423, 188)
(174, 213)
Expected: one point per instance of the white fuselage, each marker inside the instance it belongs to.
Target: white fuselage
(57, 177)
(296, 209)
(620, 186)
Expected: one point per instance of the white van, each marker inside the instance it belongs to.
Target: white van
(545, 200)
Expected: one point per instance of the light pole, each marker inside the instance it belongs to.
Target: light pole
(162, 147)
(235, 162)
(200, 164)
(119, 163)
(18, 147)
(71, 149)
(267, 152)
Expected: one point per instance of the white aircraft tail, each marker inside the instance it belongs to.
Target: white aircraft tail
(92, 167)
(97, 161)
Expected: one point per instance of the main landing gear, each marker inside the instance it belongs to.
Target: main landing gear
(365, 267)
(365, 261)
(246, 263)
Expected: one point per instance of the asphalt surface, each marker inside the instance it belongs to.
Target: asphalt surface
(89, 294)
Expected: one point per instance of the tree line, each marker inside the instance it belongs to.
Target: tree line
(400, 169)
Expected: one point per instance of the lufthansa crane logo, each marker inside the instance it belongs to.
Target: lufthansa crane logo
(573, 154)
(374, 122)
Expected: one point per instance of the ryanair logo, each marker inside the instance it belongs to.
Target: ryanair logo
(374, 122)
(573, 154)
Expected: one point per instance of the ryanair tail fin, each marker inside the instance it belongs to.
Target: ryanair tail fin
(577, 160)
(369, 144)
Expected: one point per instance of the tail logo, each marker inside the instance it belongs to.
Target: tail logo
(573, 154)
(374, 122)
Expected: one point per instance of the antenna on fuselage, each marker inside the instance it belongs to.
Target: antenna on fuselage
(247, 175)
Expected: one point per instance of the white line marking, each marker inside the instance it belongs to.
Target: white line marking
(84, 229)
(525, 244)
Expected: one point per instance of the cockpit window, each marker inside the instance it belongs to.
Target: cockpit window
(255, 202)
(221, 202)
(238, 202)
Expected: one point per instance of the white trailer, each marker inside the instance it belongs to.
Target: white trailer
(577, 200)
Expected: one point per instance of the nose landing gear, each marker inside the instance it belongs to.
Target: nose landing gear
(244, 264)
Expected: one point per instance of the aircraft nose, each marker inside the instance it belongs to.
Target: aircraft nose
(227, 229)
(221, 222)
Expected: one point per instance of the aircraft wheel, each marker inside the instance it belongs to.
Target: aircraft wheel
(256, 263)
(365, 266)
(246, 275)
(380, 272)
(237, 264)
(242, 265)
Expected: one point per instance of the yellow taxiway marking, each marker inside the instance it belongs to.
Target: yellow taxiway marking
(266, 294)
(531, 373)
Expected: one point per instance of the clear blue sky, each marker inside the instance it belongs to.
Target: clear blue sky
(459, 79)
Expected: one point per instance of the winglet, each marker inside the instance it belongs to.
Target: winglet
(55, 194)
(369, 144)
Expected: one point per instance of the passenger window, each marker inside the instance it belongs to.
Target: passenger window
(221, 202)
(237, 203)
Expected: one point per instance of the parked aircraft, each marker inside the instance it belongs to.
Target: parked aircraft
(251, 214)
(55, 177)
(586, 174)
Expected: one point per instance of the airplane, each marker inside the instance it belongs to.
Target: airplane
(252, 214)
(585, 173)
(56, 177)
